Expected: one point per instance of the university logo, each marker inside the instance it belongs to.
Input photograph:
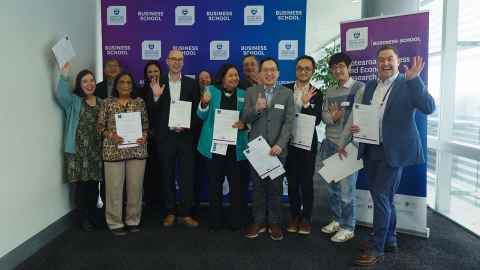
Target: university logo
(151, 49)
(185, 15)
(253, 15)
(357, 39)
(116, 15)
(219, 49)
(288, 49)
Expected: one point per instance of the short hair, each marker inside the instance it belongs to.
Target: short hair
(151, 63)
(218, 82)
(112, 60)
(388, 47)
(248, 56)
(78, 81)
(268, 59)
(115, 84)
(306, 57)
(339, 58)
(197, 76)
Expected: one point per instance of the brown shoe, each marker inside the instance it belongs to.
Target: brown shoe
(367, 260)
(275, 232)
(262, 228)
(304, 228)
(189, 222)
(169, 220)
(293, 225)
(253, 230)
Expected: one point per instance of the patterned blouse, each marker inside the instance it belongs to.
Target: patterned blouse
(106, 123)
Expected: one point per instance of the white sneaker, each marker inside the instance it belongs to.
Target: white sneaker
(331, 228)
(342, 235)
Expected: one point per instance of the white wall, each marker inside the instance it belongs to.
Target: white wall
(33, 193)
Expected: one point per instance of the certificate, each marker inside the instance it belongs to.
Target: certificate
(180, 114)
(129, 127)
(223, 132)
(335, 169)
(63, 51)
(367, 118)
(303, 129)
(258, 154)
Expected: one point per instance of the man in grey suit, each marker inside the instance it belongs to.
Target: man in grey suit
(269, 109)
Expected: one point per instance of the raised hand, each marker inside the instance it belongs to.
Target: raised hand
(415, 69)
(206, 97)
(157, 90)
(261, 103)
(335, 112)
(308, 95)
(66, 69)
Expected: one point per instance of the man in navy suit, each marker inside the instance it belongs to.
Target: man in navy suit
(398, 97)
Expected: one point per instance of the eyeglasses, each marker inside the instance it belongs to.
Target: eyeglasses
(304, 69)
(175, 59)
(269, 70)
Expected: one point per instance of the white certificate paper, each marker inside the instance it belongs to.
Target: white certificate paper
(258, 154)
(223, 132)
(367, 118)
(303, 129)
(129, 127)
(219, 148)
(336, 169)
(180, 114)
(63, 51)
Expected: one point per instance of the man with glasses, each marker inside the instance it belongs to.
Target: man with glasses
(269, 109)
(301, 162)
(176, 145)
(111, 69)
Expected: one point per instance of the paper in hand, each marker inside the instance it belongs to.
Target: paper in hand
(63, 51)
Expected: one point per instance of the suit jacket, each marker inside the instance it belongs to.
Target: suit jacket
(101, 90)
(161, 110)
(276, 121)
(401, 140)
(208, 117)
(314, 109)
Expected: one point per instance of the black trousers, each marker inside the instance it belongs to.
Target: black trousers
(175, 151)
(236, 171)
(199, 178)
(86, 194)
(152, 183)
(300, 170)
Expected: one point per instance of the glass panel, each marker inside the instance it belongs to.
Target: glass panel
(431, 177)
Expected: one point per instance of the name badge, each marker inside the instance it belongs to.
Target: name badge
(345, 104)
(241, 99)
(279, 106)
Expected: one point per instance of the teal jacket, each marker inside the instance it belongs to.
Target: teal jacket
(205, 141)
(71, 104)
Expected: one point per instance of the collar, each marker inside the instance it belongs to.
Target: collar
(269, 89)
(348, 84)
(389, 80)
(170, 77)
(295, 86)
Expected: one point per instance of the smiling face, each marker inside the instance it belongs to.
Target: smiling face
(175, 61)
(269, 73)
(341, 72)
(204, 78)
(153, 72)
(387, 64)
(87, 84)
(250, 66)
(124, 86)
(112, 69)
(231, 79)
(304, 70)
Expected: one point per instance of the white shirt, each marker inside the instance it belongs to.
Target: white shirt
(175, 87)
(380, 97)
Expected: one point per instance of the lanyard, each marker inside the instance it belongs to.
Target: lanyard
(386, 94)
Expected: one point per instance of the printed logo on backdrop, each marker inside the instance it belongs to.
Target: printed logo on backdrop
(289, 15)
(219, 15)
(219, 50)
(357, 39)
(117, 50)
(116, 15)
(150, 16)
(257, 50)
(151, 49)
(288, 49)
(188, 50)
(253, 15)
(185, 15)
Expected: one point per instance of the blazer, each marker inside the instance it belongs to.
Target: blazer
(208, 117)
(160, 109)
(276, 121)
(101, 90)
(401, 140)
(71, 104)
(314, 109)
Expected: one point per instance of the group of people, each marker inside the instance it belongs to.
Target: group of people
(267, 109)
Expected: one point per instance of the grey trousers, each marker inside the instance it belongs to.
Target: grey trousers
(116, 175)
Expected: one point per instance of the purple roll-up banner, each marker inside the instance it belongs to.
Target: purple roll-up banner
(361, 39)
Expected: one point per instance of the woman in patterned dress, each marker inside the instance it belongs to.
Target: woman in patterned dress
(124, 162)
(83, 162)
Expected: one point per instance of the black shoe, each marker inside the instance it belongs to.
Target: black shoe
(133, 229)
(119, 232)
(86, 225)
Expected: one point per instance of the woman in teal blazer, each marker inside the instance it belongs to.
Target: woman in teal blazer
(231, 162)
